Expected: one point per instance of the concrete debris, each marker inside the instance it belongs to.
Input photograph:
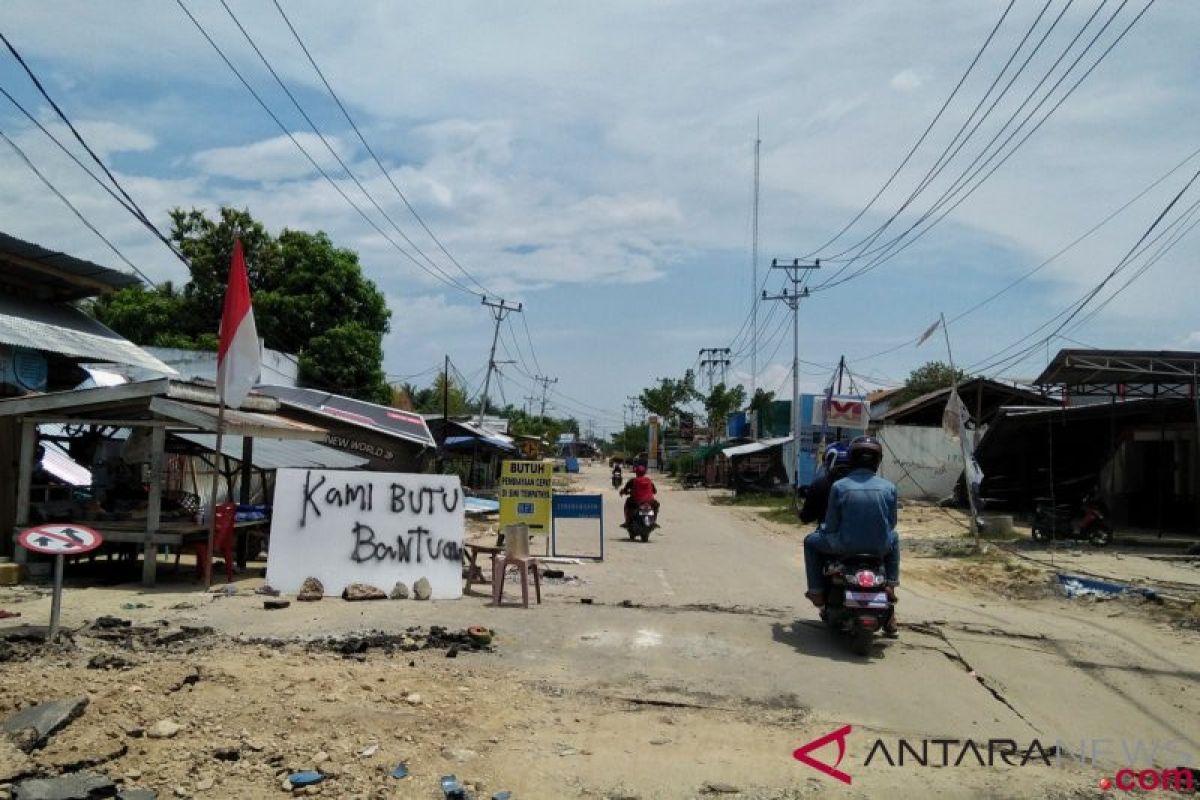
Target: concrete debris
(44, 720)
(422, 590)
(400, 591)
(311, 590)
(362, 591)
(76, 786)
(164, 729)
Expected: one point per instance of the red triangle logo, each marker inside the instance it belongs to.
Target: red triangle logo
(802, 754)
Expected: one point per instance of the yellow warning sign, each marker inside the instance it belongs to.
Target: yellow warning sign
(526, 491)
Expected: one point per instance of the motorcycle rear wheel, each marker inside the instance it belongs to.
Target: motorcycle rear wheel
(860, 644)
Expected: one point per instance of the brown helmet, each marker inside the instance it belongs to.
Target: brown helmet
(865, 453)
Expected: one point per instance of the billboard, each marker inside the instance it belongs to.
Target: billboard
(826, 419)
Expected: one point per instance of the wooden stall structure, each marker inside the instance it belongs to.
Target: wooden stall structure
(158, 407)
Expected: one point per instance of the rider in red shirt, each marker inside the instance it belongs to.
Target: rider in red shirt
(640, 490)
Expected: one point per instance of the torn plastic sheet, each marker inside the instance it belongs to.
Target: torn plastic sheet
(1078, 586)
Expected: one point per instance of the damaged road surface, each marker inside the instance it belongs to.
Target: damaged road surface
(687, 667)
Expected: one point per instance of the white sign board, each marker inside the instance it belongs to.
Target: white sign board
(346, 526)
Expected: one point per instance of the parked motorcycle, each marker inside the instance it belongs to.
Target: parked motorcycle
(644, 521)
(856, 601)
(1058, 522)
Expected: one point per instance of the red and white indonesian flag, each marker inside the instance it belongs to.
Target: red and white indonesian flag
(238, 360)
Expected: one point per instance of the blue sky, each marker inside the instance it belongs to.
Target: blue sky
(595, 163)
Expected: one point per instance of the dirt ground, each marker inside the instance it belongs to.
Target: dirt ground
(676, 693)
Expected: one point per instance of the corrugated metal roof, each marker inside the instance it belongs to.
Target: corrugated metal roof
(371, 416)
(33, 268)
(279, 453)
(754, 447)
(64, 329)
(56, 461)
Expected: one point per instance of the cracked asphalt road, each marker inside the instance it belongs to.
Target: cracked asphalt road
(704, 633)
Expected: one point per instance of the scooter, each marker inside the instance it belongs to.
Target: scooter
(857, 604)
(1058, 522)
(616, 480)
(644, 521)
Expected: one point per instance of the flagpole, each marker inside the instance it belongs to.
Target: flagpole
(212, 500)
(962, 435)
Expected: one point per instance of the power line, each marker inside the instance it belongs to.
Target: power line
(371, 152)
(130, 204)
(958, 141)
(1031, 272)
(959, 187)
(921, 139)
(442, 277)
(21, 154)
(333, 152)
(1072, 310)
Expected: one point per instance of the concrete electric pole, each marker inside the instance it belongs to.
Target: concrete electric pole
(795, 273)
(499, 310)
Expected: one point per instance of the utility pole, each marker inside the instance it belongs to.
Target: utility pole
(719, 359)
(754, 270)
(529, 401)
(499, 310)
(795, 274)
(545, 382)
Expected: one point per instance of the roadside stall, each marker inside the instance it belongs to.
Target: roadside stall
(134, 499)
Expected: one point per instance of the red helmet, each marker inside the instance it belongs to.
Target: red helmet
(639, 470)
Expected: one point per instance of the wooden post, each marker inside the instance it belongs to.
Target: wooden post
(158, 446)
(26, 453)
(243, 545)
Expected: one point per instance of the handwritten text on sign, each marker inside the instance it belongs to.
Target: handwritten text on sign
(344, 527)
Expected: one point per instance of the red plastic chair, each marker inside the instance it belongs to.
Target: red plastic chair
(223, 541)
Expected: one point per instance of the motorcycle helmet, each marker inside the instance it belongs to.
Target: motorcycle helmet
(865, 453)
(639, 470)
(837, 456)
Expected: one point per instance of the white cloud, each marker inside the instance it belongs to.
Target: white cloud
(906, 81)
(561, 150)
(272, 159)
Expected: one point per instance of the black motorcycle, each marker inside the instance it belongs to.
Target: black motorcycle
(1059, 521)
(616, 480)
(645, 520)
(857, 604)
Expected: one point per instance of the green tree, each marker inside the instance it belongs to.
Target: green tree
(346, 359)
(761, 403)
(669, 398)
(430, 399)
(720, 403)
(310, 298)
(929, 377)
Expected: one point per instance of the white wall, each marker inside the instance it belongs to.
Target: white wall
(923, 462)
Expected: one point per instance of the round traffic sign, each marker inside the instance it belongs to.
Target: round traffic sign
(59, 539)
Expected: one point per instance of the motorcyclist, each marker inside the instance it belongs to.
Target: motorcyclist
(836, 465)
(616, 474)
(640, 489)
(861, 518)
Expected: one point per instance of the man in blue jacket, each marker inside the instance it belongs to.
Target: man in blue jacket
(861, 518)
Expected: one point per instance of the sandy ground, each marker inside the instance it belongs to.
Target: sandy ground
(694, 671)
